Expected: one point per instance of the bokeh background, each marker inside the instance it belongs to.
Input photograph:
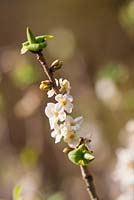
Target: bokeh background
(95, 40)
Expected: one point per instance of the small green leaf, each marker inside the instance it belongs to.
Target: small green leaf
(30, 37)
(80, 155)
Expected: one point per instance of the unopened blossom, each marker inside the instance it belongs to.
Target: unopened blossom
(58, 132)
(64, 102)
(65, 86)
(73, 124)
(51, 92)
(54, 114)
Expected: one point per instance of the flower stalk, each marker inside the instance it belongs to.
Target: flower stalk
(59, 117)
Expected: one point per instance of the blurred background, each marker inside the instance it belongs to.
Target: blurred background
(95, 40)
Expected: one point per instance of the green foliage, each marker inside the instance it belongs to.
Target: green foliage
(127, 16)
(17, 193)
(34, 44)
(29, 157)
(57, 196)
(113, 71)
(80, 155)
(25, 74)
(128, 101)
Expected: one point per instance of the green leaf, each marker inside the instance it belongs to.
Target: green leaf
(80, 155)
(30, 37)
(17, 193)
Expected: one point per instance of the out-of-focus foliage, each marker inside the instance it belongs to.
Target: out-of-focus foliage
(116, 72)
(127, 16)
(57, 196)
(25, 74)
(29, 157)
(17, 193)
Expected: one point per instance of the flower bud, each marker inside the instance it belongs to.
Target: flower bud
(66, 150)
(57, 64)
(45, 85)
(80, 155)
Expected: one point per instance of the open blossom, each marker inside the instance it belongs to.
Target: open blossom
(54, 114)
(51, 92)
(124, 171)
(73, 124)
(65, 86)
(58, 132)
(64, 102)
(72, 138)
(71, 128)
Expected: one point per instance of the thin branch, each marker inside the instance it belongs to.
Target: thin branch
(88, 178)
(47, 71)
(84, 171)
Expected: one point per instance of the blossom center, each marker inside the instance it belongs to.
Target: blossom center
(63, 102)
(56, 114)
(71, 135)
(72, 124)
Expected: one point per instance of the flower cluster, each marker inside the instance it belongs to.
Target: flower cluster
(63, 126)
(124, 170)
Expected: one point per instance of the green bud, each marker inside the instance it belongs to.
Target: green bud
(34, 44)
(57, 64)
(80, 155)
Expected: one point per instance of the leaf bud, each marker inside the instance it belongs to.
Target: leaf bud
(66, 150)
(81, 155)
(57, 64)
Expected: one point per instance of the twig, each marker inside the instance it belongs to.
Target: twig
(47, 71)
(88, 178)
(84, 171)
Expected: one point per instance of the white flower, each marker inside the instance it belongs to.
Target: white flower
(65, 86)
(51, 92)
(64, 102)
(73, 124)
(58, 132)
(126, 196)
(72, 138)
(124, 171)
(54, 114)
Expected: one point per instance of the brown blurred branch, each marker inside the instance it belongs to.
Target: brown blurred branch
(88, 178)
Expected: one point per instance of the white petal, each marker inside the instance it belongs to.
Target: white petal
(78, 120)
(69, 107)
(56, 80)
(62, 116)
(53, 134)
(58, 97)
(53, 122)
(74, 143)
(60, 81)
(49, 110)
(58, 138)
(50, 93)
(59, 107)
(69, 97)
